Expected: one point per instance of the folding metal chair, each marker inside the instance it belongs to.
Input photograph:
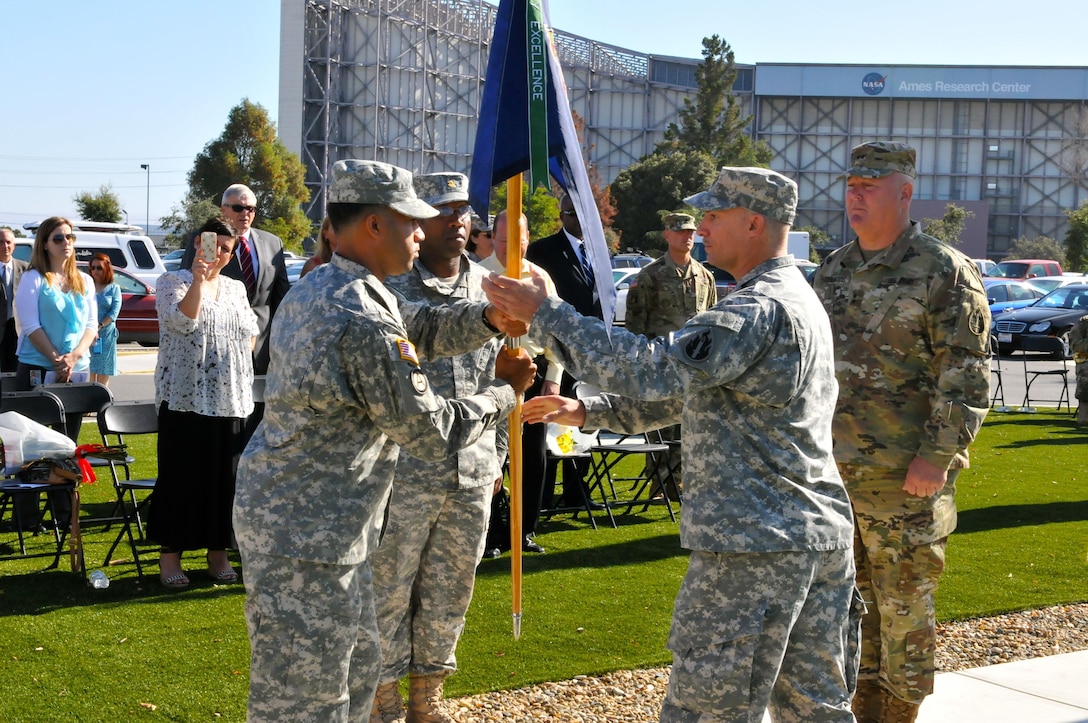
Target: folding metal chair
(548, 511)
(612, 449)
(44, 408)
(78, 400)
(116, 421)
(1032, 346)
(996, 383)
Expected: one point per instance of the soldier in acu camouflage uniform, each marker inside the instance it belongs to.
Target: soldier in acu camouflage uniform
(1079, 340)
(911, 327)
(763, 617)
(345, 392)
(436, 523)
(667, 293)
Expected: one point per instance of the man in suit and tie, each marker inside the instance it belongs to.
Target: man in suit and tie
(564, 257)
(263, 272)
(11, 271)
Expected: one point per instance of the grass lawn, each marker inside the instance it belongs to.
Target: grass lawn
(597, 601)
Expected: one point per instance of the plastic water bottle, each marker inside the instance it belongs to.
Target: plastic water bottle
(99, 581)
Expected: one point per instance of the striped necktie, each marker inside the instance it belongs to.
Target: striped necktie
(587, 267)
(245, 258)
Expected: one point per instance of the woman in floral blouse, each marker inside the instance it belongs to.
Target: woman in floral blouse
(203, 386)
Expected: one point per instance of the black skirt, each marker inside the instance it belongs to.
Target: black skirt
(190, 508)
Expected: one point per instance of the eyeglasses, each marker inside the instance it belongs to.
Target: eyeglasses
(62, 237)
(458, 211)
(571, 212)
(239, 208)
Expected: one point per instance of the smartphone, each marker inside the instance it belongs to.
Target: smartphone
(209, 246)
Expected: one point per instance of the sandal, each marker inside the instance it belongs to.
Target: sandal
(179, 581)
(226, 575)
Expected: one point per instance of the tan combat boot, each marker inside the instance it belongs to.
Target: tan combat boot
(388, 705)
(425, 698)
(868, 701)
(897, 710)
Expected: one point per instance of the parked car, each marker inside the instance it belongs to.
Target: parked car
(623, 278)
(1049, 283)
(1023, 269)
(808, 268)
(138, 321)
(631, 261)
(1004, 295)
(1045, 325)
(172, 260)
(984, 266)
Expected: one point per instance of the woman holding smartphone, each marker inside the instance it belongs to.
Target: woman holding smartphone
(203, 386)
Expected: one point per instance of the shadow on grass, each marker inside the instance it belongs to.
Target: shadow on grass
(39, 592)
(984, 519)
(617, 554)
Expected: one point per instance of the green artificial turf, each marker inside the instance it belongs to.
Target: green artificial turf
(597, 601)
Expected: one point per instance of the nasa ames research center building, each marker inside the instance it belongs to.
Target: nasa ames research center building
(400, 81)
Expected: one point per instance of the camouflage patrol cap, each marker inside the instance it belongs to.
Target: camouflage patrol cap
(379, 184)
(877, 159)
(439, 188)
(756, 189)
(680, 222)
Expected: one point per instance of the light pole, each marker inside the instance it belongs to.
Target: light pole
(147, 208)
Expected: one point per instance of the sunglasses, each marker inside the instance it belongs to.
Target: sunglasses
(98, 268)
(458, 211)
(239, 208)
(62, 237)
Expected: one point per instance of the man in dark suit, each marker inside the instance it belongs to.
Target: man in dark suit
(563, 256)
(11, 271)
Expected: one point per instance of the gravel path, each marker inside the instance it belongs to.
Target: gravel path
(634, 696)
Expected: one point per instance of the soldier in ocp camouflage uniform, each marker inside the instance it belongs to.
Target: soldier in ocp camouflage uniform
(1079, 340)
(911, 327)
(344, 393)
(436, 523)
(673, 288)
(668, 292)
(763, 616)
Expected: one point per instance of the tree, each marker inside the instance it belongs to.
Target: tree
(1076, 239)
(103, 206)
(817, 239)
(1040, 247)
(541, 208)
(713, 124)
(950, 227)
(190, 216)
(659, 182)
(249, 152)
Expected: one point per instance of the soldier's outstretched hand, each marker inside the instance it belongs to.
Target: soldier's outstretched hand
(554, 408)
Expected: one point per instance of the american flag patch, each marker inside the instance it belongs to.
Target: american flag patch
(407, 351)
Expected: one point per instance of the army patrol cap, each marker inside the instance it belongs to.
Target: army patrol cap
(379, 184)
(439, 188)
(757, 189)
(680, 222)
(877, 159)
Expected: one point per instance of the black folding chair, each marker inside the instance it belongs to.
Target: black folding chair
(1035, 350)
(80, 399)
(44, 408)
(116, 421)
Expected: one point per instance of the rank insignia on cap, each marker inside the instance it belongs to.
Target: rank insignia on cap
(407, 351)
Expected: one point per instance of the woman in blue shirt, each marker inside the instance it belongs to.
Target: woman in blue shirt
(108, 299)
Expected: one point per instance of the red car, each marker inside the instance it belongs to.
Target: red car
(138, 321)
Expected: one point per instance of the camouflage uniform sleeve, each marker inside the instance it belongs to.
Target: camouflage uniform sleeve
(447, 329)
(959, 330)
(630, 416)
(384, 374)
(640, 299)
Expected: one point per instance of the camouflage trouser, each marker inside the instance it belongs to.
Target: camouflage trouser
(758, 630)
(1081, 392)
(314, 640)
(424, 571)
(899, 546)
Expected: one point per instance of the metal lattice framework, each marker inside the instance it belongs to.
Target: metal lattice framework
(400, 81)
(1007, 153)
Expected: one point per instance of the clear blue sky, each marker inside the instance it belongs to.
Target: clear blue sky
(95, 89)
